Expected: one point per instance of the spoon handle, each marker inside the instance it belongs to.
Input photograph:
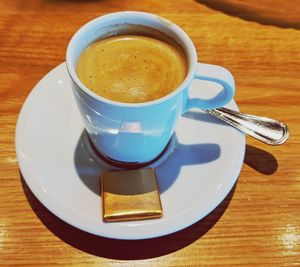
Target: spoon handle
(269, 131)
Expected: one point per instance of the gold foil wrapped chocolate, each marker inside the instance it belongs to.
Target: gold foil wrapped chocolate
(130, 195)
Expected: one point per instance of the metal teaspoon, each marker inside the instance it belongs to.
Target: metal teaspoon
(266, 130)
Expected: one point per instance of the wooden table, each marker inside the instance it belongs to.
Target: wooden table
(258, 224)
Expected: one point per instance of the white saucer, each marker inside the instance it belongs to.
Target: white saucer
(201, 170)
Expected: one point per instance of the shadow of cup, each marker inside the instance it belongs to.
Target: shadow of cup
(89, 170)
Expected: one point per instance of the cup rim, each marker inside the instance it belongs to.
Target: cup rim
(190, 53)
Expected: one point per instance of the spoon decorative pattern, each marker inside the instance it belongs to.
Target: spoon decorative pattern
(266, 130)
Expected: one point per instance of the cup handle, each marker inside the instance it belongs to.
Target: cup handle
(216, 74)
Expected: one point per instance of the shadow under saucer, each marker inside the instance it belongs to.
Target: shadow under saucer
(125, 249)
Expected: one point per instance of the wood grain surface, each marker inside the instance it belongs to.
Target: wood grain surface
(258, 224)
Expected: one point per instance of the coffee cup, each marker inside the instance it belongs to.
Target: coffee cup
(138, 132)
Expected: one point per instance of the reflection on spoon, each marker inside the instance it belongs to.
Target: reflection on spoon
(269, 131)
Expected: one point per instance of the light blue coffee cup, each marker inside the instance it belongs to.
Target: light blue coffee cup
(138, 133)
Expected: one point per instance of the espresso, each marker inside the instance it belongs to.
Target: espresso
(132, 68)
